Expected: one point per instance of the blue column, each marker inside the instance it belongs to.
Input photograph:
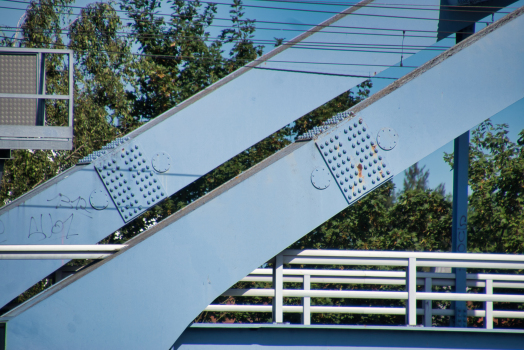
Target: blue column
(459, 241)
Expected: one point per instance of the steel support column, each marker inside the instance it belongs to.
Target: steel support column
(459, 239)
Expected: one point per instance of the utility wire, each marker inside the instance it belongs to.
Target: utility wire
(310, 44)
(260, 21)
(294, 24)
(180, 57)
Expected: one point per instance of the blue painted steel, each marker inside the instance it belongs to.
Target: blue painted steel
(459, 240)
(129, 178)
(321, 337)
(146, 295)
(351, 154)
(211, 127)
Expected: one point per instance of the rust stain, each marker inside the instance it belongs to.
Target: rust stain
(360, 170)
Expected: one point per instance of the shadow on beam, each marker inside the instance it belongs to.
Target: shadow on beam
(320, 337)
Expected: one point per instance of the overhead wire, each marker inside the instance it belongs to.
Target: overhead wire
(184, 58)
(276, 8)
(297, 24)
(308, 44)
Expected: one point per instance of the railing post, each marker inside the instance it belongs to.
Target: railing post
(278, 286)
(306, 302)
(411, 281)
(428, 304)
(488, 319)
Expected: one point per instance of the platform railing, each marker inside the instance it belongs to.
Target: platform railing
(408, 276)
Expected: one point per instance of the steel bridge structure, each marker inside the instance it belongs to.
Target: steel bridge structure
(146, 293)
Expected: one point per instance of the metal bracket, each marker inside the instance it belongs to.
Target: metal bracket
(354, 159)
(130, 181)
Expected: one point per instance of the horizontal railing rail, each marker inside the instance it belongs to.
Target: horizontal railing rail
(409, 278)
(58, 252)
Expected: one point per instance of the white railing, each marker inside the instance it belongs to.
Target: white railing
(58, 252)
(409, 277)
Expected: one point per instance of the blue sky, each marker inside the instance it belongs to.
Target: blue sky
(439, 171)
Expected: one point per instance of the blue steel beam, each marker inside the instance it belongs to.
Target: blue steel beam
(324, 337)
(145, 295)
(191, 139)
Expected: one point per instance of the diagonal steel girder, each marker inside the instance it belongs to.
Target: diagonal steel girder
(146, 295)
(210, 128)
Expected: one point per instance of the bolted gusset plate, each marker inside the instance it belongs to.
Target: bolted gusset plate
(130, 180)
(357, 164)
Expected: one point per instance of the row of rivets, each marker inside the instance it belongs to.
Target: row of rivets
(131, 183)
(355, 164)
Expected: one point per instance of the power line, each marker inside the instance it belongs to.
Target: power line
(180, 57)
(309, 44)
(293, 24)
(273, 22)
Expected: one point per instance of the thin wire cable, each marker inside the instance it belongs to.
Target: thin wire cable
(371, 5)
(260, 21)
(310, 44)
(185, 58)
(300, 24)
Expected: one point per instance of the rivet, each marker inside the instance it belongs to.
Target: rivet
(341, 183)
(358, 142)
(325, 153)
(374, 171)
(127, 152)
(359, 132)
(345, 131)
(366, 156)
(136, 200)
(158, 187)
(350, 176)
(330, 150)
(333, 168)
(379, 168)
(338, 175)
(359, 190)
(122, 155)
(345, 189)
(145, 195)
(331, 140)
(378, 178)
(334, 157)
(361, 160)
(354, 193)
(360, 180)
(355, 183)
(388, 172)
(343, 162)
(369, 174)
(364, 128)
(379, 157)
(322, 146)
(132, 194)
(357, 153)
(350, 128)
(148, 202)
(327, 143)
(349, 138)
(360, 121)
(355, 125)
(349, 197)
(340, 144)
(383, 165)
(154, 180)
(373, 181)
(365, 166)
(136, 146)
(336, 137)
(346, 179)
